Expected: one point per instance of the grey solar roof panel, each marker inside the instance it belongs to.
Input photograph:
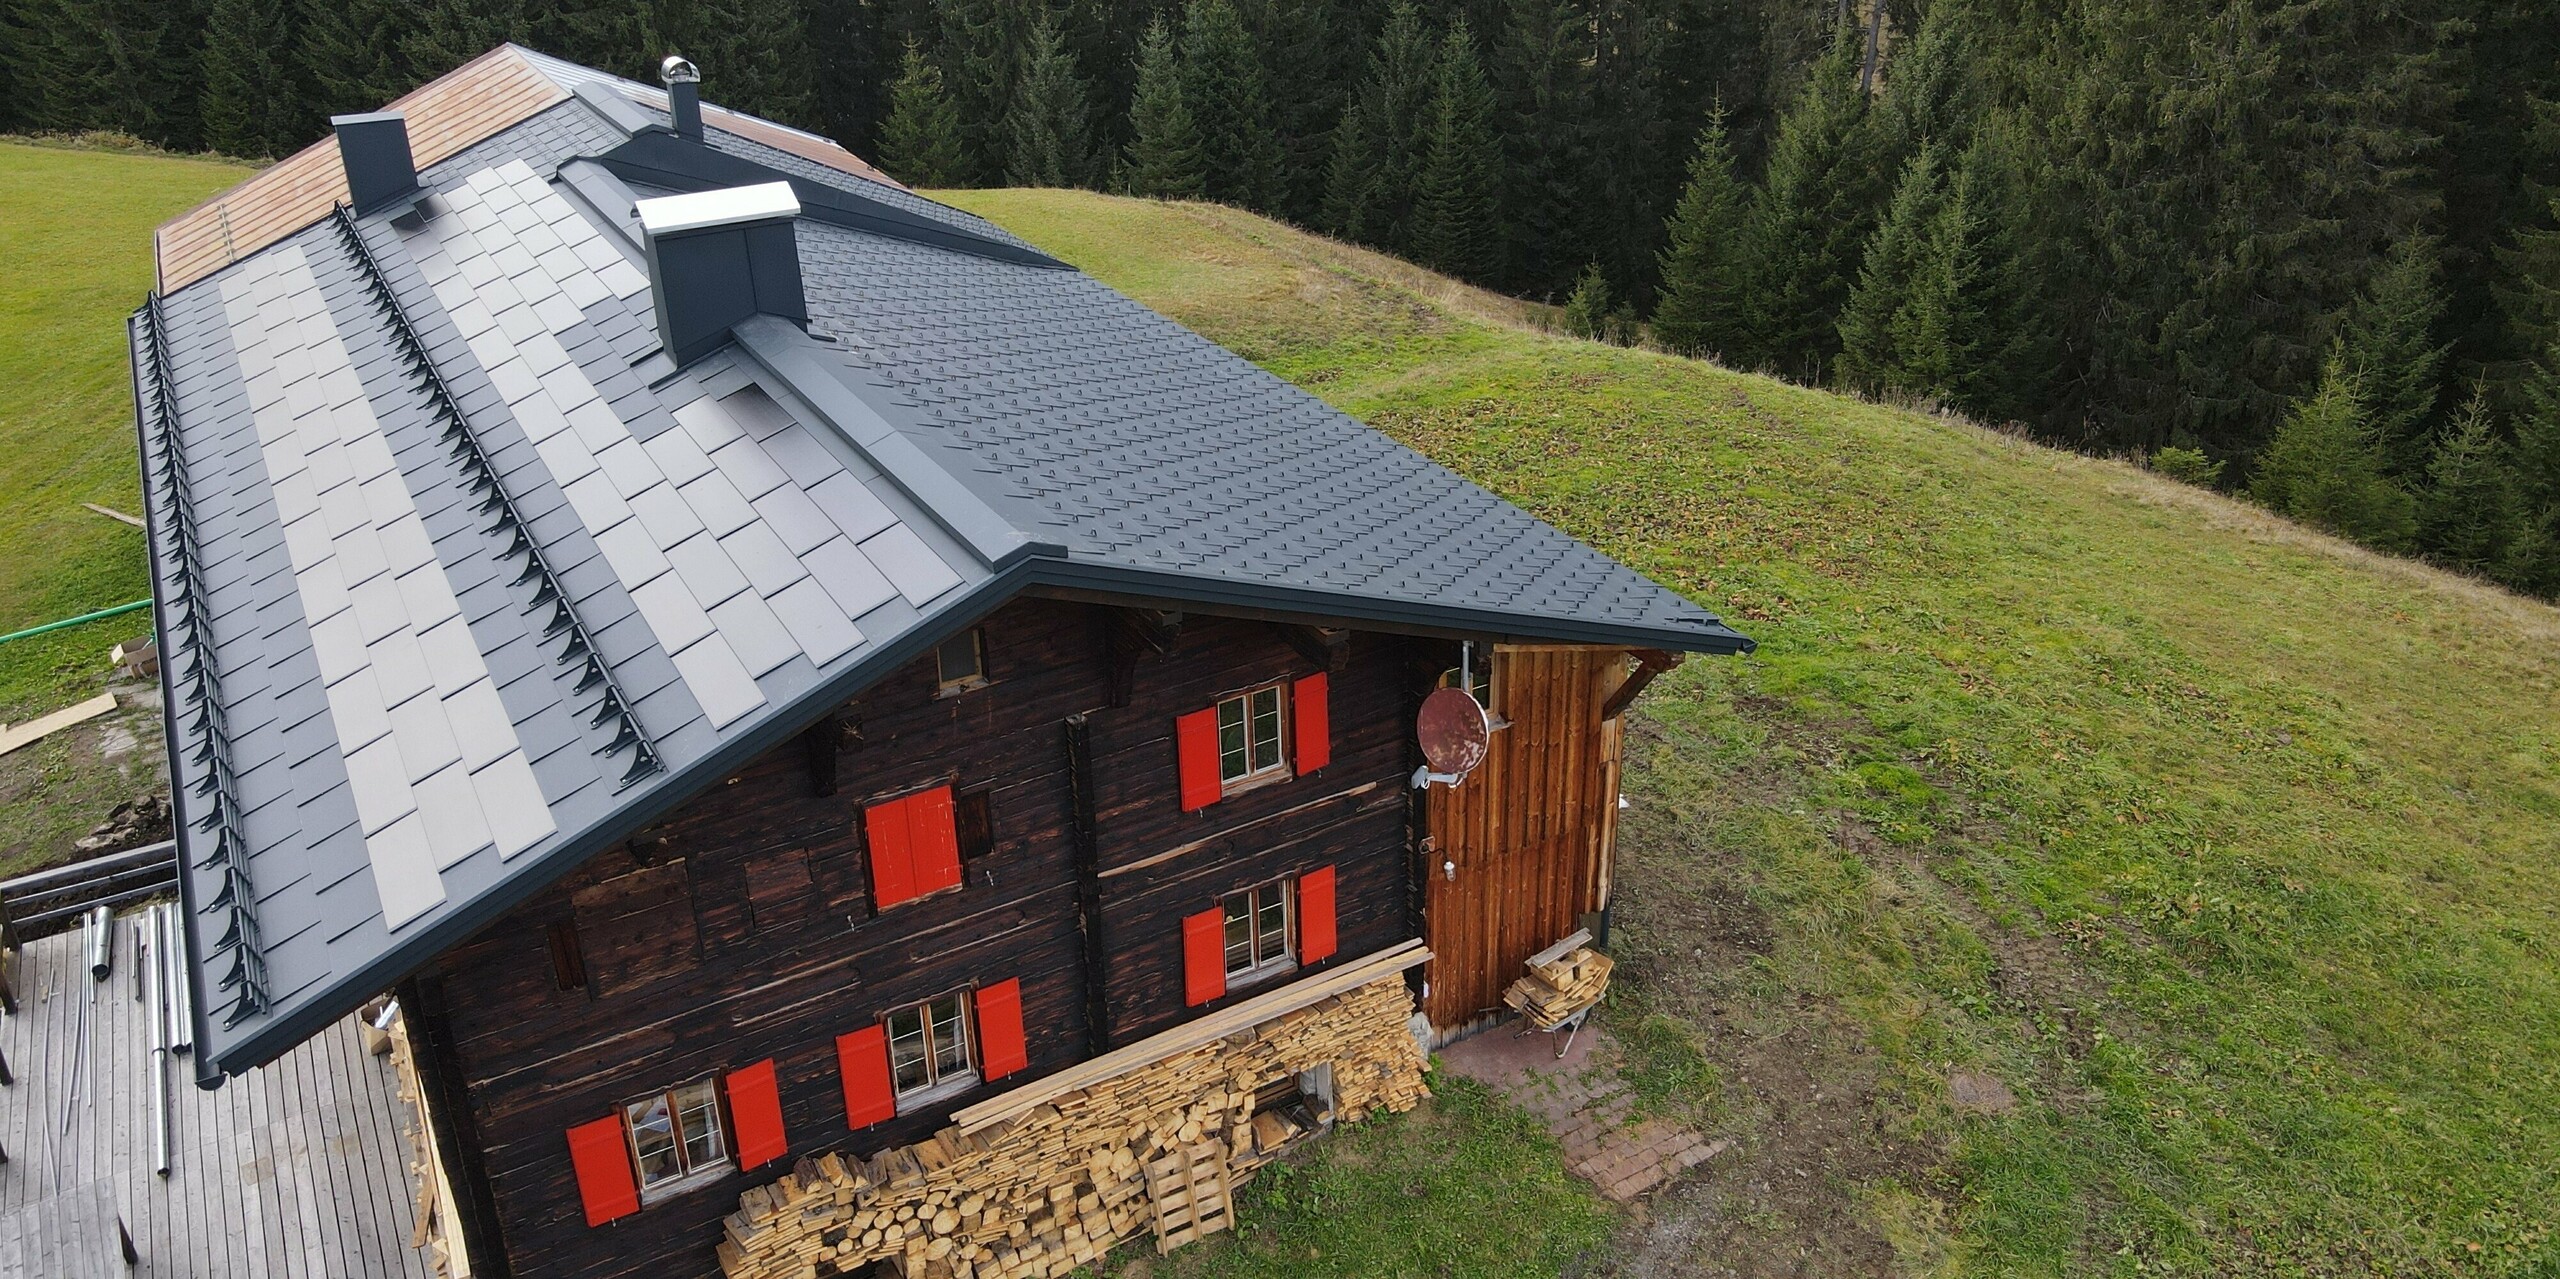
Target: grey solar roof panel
(484, 580)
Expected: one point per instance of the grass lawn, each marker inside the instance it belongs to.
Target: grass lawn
(75, 259)
(2229, 849)
(2225, 849)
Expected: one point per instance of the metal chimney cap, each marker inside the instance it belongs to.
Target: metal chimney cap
(677, 70)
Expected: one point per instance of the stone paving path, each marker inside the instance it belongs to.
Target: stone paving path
(1586, 1105)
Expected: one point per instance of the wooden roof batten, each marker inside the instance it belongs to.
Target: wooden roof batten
(467, 105)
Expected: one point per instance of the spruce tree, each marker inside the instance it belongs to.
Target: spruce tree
(1542, 80)
(1588, 310)
(1457, 203)
(1163, 158)
(2390, 334)
(1378, 152)
(1877, 318)
(1049, 133)
(1931, 87)
(250, 107)
(1230, 105)
(1812, 216)
(1309, 50)
(2324, 469)
(352, 51)
(981, 53)
(2467, 514)
(1703, 267)
(2532, 561)
(447, 33)
(920, 141)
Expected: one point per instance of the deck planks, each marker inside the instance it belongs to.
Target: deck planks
(298, 1171)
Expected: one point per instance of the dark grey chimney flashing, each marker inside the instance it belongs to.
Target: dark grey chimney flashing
(684, 95)
(718, 257)
(374, 147)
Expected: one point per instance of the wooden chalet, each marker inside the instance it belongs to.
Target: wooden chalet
(852, 745)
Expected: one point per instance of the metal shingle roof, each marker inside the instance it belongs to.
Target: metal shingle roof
(428, 699)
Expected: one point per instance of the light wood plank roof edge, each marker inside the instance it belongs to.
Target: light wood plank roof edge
(469, 104)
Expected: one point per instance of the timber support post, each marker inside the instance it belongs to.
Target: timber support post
(1088, 841)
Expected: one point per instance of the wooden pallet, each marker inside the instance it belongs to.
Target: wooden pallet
(1192, 1194)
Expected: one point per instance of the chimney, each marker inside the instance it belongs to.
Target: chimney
(684, 95)
(717, 257)
(375, 150)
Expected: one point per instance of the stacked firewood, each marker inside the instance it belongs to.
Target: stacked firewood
(1058, 1186)
(1556, 989)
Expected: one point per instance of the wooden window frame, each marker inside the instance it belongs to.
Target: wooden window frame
(948, 685)
(973, 824)
(1278, 768)
(1260, 967)
(691, 1175)
(568, 955)
(937, 1086)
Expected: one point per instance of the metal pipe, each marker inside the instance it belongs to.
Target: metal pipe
(155, 978)
(182, 993)
(102, 943)
(74, 621)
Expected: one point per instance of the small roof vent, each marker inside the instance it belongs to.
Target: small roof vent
(684, 95)
(717, 257)
(374, 147)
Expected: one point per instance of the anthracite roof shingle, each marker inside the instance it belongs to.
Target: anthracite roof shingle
(744, 541)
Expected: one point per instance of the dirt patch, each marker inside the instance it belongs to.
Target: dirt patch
(60, 789)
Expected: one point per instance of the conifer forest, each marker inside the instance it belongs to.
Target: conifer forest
(2308, 250)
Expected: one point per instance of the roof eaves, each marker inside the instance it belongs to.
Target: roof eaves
(1706, 635)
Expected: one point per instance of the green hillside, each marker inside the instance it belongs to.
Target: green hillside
(2227, 846)
(75, 259)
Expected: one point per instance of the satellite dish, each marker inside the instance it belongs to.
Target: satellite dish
(1454, 735)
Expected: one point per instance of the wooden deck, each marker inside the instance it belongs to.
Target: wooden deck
(300, 1169)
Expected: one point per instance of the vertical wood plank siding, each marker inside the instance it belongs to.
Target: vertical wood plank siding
(1530, 831)
(741, 928)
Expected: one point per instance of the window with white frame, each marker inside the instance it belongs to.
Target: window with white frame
(1249, 737)
(675, 1135)
(929, 1047)
(1258, 931)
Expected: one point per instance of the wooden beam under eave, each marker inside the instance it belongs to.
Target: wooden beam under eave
(1327, 648)
(1651, 663)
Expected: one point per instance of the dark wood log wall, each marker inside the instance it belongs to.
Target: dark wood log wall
(741, 928)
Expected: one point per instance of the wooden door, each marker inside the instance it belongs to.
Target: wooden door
(1521, 849)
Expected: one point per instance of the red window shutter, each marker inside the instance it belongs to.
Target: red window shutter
(1315, 915)
(933, 840)
(893, 874)
(1313, 748)
(755, 1115)
(1204, 956)
(1000, 1051)
(1195, 742)
(603, 1160)
(863, 1057)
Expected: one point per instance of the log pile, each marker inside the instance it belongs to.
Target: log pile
(1556, 989)
(1058, 1186)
